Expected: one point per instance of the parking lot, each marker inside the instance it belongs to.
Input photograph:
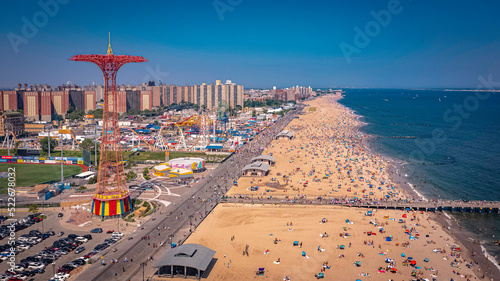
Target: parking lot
(51, 223)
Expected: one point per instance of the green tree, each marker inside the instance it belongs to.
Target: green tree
(70, 109)
(44, 143)
(97, 113)
(33, 208)
(16, 147)
(87, 144)
(76, 114)
(92, 180)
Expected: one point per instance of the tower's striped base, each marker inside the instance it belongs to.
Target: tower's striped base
(105, 206)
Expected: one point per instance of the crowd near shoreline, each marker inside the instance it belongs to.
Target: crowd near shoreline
(328, 158)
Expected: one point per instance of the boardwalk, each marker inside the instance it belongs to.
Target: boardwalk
(442, 205)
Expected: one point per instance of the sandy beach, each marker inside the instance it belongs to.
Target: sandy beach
(326, 160)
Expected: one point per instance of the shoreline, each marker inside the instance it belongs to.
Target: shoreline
(329, 159)
(453, 229)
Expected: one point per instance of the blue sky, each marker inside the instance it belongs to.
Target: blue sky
(255, 43)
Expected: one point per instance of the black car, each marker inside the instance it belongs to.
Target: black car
(88, 236)
(47, 260)
(60, 215)
(35, 232)
(72, 236)
(28, 273)
(67, 267)
(51, 233)
(79, 262)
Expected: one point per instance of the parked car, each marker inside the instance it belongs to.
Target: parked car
(79, 250)
(60, 233)
(96, 230)
(81, 239)
(60, 215)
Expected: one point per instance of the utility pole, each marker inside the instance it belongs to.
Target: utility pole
(62, 161)
(48, 134)
(95, 144)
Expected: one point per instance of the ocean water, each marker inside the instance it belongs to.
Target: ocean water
(449, 142)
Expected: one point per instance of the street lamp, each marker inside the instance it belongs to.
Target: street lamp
(95, 144)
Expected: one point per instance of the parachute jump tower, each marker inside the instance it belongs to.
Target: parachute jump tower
(112, 196)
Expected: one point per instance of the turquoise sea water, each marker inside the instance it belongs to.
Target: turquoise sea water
(451, 144)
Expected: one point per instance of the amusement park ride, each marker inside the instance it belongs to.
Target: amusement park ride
(112, 196)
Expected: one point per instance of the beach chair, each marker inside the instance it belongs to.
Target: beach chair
(260, 272)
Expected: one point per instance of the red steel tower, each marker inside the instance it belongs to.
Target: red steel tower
(112, 196)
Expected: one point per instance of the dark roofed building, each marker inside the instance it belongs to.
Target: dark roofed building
(263, 158)
(285, 135)
(187, 260)
(256, 169)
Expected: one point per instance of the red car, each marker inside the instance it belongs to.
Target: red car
(63, 270)
(37, 219)
(110, 231)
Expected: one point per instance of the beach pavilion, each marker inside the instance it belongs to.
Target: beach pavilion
(285, 135)
(191, 260)
(256, 169)
(263, 158)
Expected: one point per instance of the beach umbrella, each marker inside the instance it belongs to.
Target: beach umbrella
(342, 247)
(410, 258)
(403, 255)
(357, 263)
(303, 253)
(413, 262)
(426, 260)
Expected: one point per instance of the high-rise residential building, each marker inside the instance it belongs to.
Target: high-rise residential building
(32, 104)
(45, 106)
(60, 102)
(121, 97)
(89, 100)
(10, 100)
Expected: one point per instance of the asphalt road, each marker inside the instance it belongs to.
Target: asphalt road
(192, 206)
